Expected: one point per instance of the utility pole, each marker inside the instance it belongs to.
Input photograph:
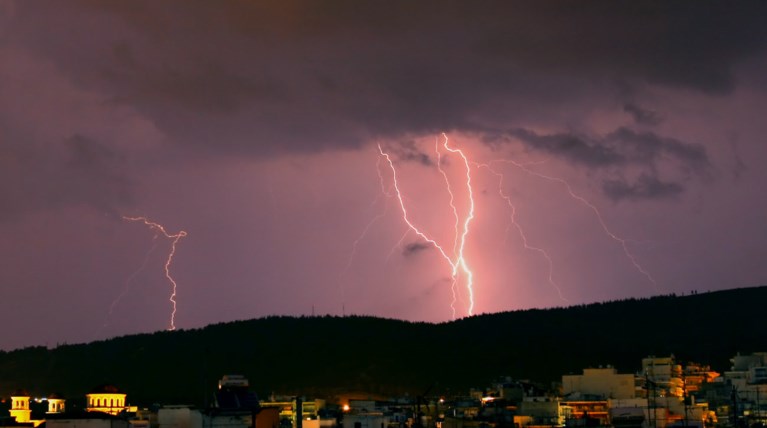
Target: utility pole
(734, 397)
(758, 406)
(684, 397)
(650, 396)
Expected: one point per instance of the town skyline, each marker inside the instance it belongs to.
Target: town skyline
(666, 392)
(614, 150)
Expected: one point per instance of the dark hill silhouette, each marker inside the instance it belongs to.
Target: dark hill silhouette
(331, 355)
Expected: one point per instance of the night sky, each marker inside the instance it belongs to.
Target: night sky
(616, 149)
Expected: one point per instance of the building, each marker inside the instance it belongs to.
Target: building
(235, 405)
(21, 410)
(538, 411)
(599, 383)
(56, 404)
(289, 408)
(88, 419)
(696, 375)
(107, 399)
(663, 376)
(585, 413)
(744, 393)
(365, 414)
(20, 406)
(179, 417)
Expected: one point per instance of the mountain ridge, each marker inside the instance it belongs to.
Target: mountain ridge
(330, 355)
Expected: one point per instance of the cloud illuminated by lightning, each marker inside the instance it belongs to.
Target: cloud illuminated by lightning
(622, 241)
(456, 256)
(457, 222)
(377, 217)
(174, 240)
(521, 232)
(127, 286)
(457, 262)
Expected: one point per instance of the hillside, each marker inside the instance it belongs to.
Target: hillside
(328, 355)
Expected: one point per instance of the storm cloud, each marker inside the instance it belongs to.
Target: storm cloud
(619, 149)
(254, 126)
(645, 187)
(80, 171)
(414, 248)
(642, 116)
(308, 76)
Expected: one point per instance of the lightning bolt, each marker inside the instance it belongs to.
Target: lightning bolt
(456, 256)
(621, 241)
(174, 240)
(127, 286)
(457, 222)
(398, 245)
(360, 238)
(457, 262)
(377, 217)
(521, 232)
(461, 260)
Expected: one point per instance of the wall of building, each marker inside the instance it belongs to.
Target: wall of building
(365, 421)
(56, 405)
(178, 417)
(20, 409)
(541, 412)
(106, 402)
(602, 382)
(227, 421)
(86, 423)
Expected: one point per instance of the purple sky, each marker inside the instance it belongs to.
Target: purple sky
(254, 127)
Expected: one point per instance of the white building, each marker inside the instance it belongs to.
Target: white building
(601, 382)
(20, 406)
(107, 399)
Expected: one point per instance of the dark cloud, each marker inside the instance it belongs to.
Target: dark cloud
(739, 167)
(648, 147)
(415, 247)
(90, 156)
(80, 171)
(620, 147)
(574, 148)
(408, 151)
(645, 187)
(95, 171)
(618, 150)
(675, 44)
(642, 116)
(262, 77)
